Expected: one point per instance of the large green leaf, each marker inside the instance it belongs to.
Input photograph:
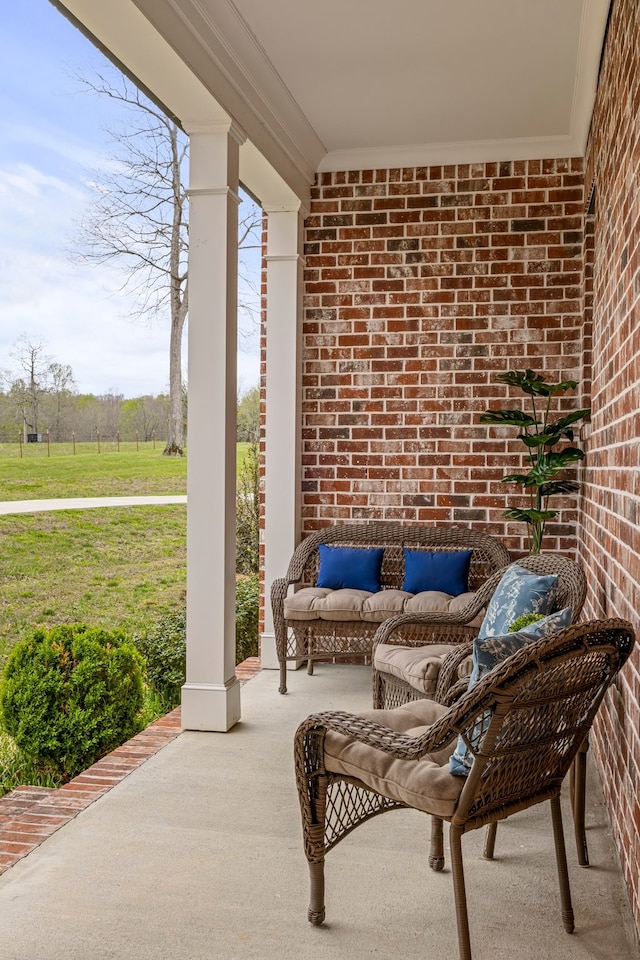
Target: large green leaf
(512, 418)
(528, 381)
(562, 387)
(530, 516)
(539, 439)
(558, 486)
(557, 459)
(522, 478)
(541, 472)
(560, 426)
(534, 383)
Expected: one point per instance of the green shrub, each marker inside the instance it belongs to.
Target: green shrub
(165, 651)
(164, 645)
(71, 694)
(16, 768)
(248, 513)
(247, 593)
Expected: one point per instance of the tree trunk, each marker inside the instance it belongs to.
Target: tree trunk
(179, 307)
(175, 435)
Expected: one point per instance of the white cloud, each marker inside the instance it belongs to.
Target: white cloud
(49, 139)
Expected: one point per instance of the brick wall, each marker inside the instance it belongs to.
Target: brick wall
(421, 285)
(610, 535)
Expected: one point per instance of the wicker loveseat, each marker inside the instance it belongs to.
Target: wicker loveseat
(313, 623)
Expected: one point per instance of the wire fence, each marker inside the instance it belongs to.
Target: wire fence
(42, 444)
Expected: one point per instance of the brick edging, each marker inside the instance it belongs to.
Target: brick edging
(29, 815)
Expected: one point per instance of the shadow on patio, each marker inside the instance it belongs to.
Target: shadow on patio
(198, 854)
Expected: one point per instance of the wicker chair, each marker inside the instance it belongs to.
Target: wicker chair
(316, 638)
(423, 630)
(523, 723)
(391, 691)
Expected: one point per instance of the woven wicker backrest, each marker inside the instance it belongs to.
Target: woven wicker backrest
(489, 553)
(536, 709)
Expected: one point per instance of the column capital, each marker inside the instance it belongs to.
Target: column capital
(284, 257)
(214, 192)
(228, 126)
(295, 206)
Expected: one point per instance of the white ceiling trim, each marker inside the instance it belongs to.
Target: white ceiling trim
(436, 154)
(214, 51)
(592, 29)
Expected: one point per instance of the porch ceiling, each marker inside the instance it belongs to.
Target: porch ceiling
(368, 84)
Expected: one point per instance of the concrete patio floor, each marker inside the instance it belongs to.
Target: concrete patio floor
(197, 854)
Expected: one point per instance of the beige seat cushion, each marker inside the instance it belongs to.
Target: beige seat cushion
(434, 602)
(345, 604)
(387, 603)
(425, 784)
(417, 666)
(313, 603)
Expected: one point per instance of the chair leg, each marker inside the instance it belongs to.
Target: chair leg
(283, 677)
(490, 840)
(561, 861)
(577, 788)
(459, 893)
(436, 850)
(310, 667)
(315, 914)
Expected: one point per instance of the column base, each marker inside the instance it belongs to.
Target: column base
(210, 706)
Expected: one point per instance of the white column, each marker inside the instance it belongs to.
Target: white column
(282, 410)
(211, 694)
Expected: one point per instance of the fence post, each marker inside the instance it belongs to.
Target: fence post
(20, 442)
(48, 445)
(98, 435)
(73, 438)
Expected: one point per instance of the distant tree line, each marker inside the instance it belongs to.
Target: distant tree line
(39, 398)
(66, 414)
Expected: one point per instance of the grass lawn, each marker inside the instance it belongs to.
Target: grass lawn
(117, 567)
(114, 567)
(43, 473)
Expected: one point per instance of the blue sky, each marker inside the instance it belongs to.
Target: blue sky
(52, 134)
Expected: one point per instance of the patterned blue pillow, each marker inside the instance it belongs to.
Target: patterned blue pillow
(447, 571)
(487, 653)
(342, 567)
(518, 592)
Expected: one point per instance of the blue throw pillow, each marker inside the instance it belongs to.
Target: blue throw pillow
(487, 653)
(518, 592)
(342, 567)
(428, 570)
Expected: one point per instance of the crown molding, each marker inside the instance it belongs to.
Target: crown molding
(437, 154)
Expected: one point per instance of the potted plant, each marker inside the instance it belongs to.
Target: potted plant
(541, 435)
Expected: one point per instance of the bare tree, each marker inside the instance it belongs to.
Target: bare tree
(29, 388)
(41, 390)
(139, 216)
(60, 394)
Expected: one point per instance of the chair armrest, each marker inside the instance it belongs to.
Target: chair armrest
(449, 685)
(279, 590)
